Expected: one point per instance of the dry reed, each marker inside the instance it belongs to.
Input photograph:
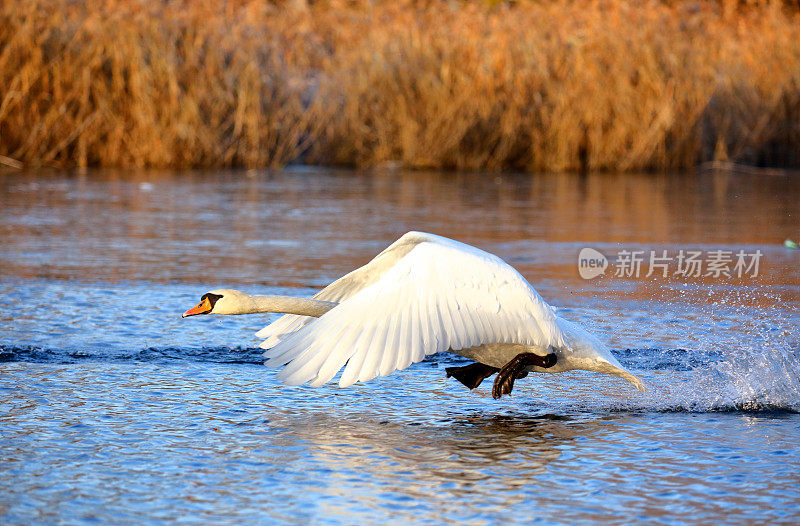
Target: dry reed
(565, 85)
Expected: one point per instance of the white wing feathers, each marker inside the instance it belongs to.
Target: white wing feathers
(437, 295)
(347, 285)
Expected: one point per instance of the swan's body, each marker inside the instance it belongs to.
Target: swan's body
(422, 295)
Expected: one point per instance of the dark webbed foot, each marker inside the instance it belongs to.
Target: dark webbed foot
(515, 369)
(471, 375)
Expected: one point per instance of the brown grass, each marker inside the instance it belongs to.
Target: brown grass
(564, 85)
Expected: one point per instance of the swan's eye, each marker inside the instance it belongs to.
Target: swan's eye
(212, 298)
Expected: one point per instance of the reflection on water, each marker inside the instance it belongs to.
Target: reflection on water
(306, 227)
(119, 443)
(113, 409)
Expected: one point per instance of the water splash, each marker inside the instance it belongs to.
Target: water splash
(745, 356)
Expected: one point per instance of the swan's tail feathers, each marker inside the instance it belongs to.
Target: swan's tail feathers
(632, 378)
(587, 352)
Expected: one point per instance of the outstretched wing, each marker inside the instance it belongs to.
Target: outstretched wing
(440, 295)
(346, 286)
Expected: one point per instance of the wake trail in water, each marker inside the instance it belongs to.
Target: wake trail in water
(678, 380)
(644, 359)
(167, 355)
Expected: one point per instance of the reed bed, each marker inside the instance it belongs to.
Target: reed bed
(550, 86)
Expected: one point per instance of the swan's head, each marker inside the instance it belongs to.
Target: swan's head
(220, 301)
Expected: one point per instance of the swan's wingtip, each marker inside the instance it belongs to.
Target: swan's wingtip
(290, 379)
(270, 342)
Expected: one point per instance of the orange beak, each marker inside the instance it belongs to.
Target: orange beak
(204, 307)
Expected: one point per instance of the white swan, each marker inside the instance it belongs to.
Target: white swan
(422, 295)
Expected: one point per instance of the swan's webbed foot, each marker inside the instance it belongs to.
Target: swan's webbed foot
(515, 369)
(471, 375)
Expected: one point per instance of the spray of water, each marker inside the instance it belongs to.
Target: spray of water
(744, 355)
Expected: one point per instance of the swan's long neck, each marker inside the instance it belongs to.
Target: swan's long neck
(286, 305)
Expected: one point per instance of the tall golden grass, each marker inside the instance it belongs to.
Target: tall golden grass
(561, 85)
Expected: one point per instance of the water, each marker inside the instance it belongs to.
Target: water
(114, 409)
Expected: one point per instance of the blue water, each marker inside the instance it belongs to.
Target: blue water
(114, 409)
